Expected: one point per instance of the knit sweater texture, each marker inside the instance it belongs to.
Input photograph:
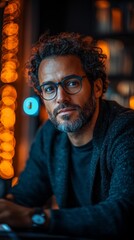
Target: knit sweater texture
(110, 210)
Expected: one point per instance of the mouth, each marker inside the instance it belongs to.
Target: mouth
(66, 111)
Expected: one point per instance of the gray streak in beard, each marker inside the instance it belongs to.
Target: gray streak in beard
(85, 116)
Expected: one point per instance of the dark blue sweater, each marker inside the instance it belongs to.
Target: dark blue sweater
(111, 177)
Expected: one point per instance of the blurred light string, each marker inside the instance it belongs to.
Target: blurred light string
(8, 93)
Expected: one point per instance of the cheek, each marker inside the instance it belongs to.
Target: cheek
(48, 106)
(84, 95)
(86, 89)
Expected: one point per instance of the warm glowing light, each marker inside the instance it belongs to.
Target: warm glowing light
(6, 135)
(9, 75)
(11, 51)
(9, 90)
(11, 42)
(8, 94)
(131, 102)
(106, 50)
(102, 4)
(11, 28)
(10, 8)
(116, 19)
(10, 65)
(105, 47)
(7, 146)
(1, 127)
(7, 155)
(6, 170)
(9, 56)
(9, 160)
(8, 117)
(9, 101)
(14, 181)
(123, 88)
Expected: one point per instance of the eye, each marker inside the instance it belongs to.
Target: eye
(48, 88)
(72, 83)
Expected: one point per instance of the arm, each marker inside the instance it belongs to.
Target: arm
(15, 215)
(112, 217)
(18, 216)
(34, 181)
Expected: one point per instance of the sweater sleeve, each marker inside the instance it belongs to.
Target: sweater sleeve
(112, 217)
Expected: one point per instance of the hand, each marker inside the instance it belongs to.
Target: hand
(15, 215)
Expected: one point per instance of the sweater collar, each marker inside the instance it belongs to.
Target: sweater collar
(60, 157)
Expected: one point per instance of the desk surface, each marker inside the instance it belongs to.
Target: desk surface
(11, 235)
(6, 233)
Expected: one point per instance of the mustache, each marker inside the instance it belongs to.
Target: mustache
(65, 105)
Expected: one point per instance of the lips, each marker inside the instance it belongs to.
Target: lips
(65, 110)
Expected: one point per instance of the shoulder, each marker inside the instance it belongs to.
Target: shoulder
(114, 120)
(121, 124)
(119, 133)
(113, 116)
(116, 111)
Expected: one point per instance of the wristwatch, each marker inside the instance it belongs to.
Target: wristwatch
(38, 218)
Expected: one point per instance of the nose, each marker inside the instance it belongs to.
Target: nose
(62, 96)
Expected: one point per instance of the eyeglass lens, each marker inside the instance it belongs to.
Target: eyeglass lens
(70, 85)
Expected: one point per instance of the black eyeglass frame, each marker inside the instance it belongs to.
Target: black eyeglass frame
(61, 83)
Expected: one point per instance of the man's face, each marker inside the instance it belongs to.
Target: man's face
(69, 113)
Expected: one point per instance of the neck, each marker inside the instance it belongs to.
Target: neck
(85, 134)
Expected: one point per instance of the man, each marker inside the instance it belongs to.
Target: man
(83, 156)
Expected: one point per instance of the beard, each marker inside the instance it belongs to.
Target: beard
(85, 115)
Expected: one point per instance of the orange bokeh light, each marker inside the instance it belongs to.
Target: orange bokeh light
(8, 117)
(11, 42)
(10, 8)
(9, 56)
(8, 94)
(102, 4)
(9, 90)
(6, 170)
(131, 102)
(6, 135)
(11, 29)
(10, 65)
(7, 155)
(105, 47)
(7, 146)
(9, 101)
(9, 75)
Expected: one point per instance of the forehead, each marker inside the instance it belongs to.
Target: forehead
(59, 66)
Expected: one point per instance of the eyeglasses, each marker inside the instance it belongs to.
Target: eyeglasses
(71, 84)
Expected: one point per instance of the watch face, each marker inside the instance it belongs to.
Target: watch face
(38, 219)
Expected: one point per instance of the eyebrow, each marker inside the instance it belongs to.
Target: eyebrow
(64, 78)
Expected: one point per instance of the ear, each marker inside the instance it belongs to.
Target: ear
(98, 88)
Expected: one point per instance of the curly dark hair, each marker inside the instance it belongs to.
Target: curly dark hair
(65, 43)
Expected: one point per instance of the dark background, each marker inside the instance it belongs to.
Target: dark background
(38, 16)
